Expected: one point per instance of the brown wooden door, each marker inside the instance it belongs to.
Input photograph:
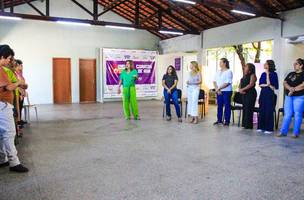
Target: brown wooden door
(62, 80)
(87, 80)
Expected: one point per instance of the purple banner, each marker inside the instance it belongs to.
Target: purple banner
(145, 69)
(178, 63)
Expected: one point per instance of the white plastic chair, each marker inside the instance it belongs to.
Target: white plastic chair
(27, 107)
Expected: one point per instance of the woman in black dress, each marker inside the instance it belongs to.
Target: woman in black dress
(249, 95)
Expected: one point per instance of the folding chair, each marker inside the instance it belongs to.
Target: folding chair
(27, 107)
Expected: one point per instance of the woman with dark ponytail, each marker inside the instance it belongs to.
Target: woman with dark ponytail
(294, 99)
(268, 83)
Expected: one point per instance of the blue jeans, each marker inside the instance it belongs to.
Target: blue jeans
(293, 106)
(174, 97)
(224, 100)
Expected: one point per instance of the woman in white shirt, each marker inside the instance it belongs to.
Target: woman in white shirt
(193, 88)
(223, 87)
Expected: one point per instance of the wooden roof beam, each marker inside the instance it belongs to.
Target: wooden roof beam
(111, 6)
(168, 12)
(202, 22)
(240, 6)
(153, 20)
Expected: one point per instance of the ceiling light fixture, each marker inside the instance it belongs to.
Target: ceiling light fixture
(121, 27)
(186, 1)
(243, 12)
(73, 23)
(10, 18)
(171, 32)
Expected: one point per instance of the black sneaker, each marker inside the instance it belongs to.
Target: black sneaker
(217, 123)
(4, 164)
(19, 169)
(226, 124)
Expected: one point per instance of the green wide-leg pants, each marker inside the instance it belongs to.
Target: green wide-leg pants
(129, 97)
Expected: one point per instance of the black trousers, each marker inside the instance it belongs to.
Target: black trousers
(21, 102)
(248, 106)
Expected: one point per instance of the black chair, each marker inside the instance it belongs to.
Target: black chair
(201, 102)
(281, 110)
(237, 105)
(257, 109)
(179, 93)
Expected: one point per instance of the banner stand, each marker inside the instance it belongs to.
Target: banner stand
(113, 62)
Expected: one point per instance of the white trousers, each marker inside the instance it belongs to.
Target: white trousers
(8, 150)
(193, 93)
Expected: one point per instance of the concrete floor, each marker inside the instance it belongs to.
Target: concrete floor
(89, 152)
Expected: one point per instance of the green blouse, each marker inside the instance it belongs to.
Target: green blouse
(128, 79)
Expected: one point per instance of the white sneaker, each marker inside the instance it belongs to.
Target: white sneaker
(268, 132)
(260, 130)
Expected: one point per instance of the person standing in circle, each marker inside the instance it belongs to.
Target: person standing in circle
(127, 79)
(294, 100)
(193, 84)
(223, 88)
(268, 83)
(249, 95)
(170, 80)
(8, 152)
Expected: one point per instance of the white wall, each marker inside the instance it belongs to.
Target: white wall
(257, 29)
(293, 24)
(164, 61)
(37, 42)
(181, 44)
(289, 53)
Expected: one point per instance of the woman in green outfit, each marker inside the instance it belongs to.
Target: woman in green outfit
(127, 79)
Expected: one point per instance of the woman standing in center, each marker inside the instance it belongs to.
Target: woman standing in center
(127, 79)
(268, 83)
(249, 95)
(193, 84)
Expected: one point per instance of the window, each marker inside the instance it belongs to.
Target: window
(214, 55)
